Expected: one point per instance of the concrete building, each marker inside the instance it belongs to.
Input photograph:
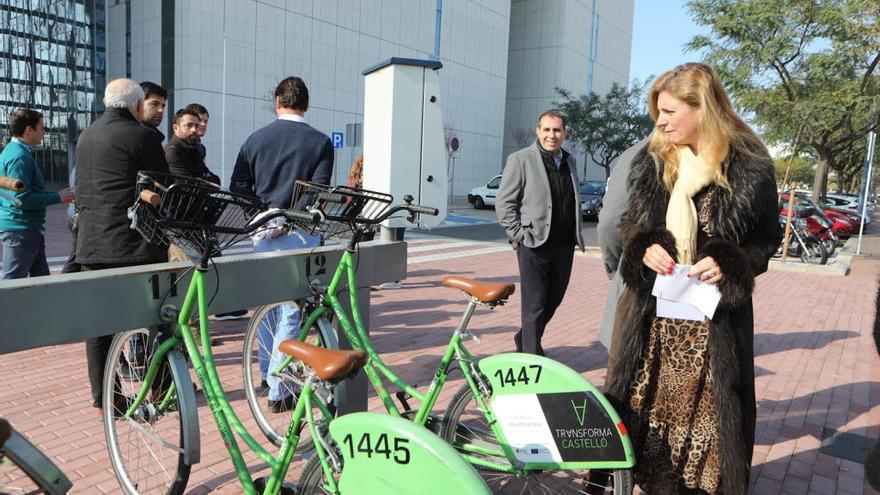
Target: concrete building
(578, 45)
(229, 54)
(52, 60)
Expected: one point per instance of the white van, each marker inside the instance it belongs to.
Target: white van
(484, 196)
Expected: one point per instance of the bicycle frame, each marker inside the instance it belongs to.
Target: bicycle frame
(455, 350)
(224, 415)
(559, 379)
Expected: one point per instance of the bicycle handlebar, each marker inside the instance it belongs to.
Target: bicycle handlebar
(150, 197)
(427, 210)
(311, 217)
(303, 216)
(412, 209)
(12, 184)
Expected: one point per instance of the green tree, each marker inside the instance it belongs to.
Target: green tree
(604, 126)
(793, 63)
(803, 169)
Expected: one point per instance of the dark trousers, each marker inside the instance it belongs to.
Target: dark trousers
(24, 253)
(97, 348)
(544, 273)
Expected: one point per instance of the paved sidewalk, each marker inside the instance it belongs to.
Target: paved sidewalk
(815, 360)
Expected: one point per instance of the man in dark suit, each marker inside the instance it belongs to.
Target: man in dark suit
(109, 155)
(182, 152)
(538, 204)
(270, 162)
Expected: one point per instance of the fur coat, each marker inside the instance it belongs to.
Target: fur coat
(743, 233)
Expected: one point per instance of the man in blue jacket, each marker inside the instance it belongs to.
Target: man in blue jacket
(21, 221)
(270, 162)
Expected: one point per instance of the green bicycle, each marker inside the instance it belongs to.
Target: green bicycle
(150, 414)
(525, 422)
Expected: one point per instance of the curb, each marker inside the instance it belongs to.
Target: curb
(838, 266)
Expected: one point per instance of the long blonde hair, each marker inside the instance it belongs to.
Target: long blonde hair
(720, 128)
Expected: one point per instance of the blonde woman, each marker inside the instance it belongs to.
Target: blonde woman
(702, 193)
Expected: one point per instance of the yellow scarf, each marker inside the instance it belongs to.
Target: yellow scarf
(681, 214)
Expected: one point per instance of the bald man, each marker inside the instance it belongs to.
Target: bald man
(109, 154)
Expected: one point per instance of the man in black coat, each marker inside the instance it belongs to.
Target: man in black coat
(109, 155)
(182, 152)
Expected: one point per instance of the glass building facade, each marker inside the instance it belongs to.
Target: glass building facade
(53, 60)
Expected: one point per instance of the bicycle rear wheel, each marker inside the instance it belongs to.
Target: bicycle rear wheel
(147, 449)
(465, 423)
(258, 346)
(313, 478)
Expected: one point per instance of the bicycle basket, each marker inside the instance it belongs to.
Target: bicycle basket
(349, 207)
(191, 213)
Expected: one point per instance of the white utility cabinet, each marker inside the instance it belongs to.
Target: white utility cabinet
(404, 146)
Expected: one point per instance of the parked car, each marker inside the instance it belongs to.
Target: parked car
(847, 204)
(591, 193)
(484, 196)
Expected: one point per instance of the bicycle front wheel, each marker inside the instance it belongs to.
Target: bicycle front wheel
(258, 347)
(465, 424)
(146, 449)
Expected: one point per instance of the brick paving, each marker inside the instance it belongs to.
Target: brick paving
(815, 361)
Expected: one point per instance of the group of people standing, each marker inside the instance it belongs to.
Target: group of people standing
(125, 140)
(699, 191)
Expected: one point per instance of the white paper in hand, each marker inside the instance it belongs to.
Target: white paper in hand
(685, 298)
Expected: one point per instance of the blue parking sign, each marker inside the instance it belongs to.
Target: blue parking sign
(338, 140)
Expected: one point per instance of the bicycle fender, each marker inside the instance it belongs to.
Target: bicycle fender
(552, 417)
(36, 465)
(188, 407)
(386, 454)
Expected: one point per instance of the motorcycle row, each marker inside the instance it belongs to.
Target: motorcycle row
(817, 231)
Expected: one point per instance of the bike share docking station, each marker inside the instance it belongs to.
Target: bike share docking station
(103, 302)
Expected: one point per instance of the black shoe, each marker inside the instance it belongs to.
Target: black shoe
(264, 384)
(279, 406)
(517, 341)
(232, 315)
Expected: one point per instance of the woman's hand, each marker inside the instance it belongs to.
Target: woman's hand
(707, 270)
(656, 258)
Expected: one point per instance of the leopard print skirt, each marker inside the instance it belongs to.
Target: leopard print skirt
(674, 425)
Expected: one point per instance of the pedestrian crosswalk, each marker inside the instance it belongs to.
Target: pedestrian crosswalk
(425, 248)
